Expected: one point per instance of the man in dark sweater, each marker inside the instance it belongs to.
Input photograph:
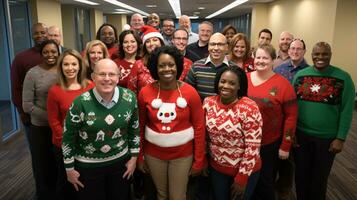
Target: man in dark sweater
(205, 30)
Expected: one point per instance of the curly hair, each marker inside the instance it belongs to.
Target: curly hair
(154, 60)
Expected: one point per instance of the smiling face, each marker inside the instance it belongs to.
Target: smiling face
(39, 33)
(130, 45)
(136, 22)
(321, 56)
(54, 33)
(296, 51)
(228, 87)
(70, 67)
(229, 34)
(180, 40)
(262, 60)
(50, 54)
(204, 32)
(107, 35)
(95, 54)
(166, 68)
(217, 47)
(168, 27)
(264, 38)
(152, 43)
(284, 41)
(106, 77)
(240, 49)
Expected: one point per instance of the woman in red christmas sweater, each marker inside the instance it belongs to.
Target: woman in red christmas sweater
(234, 126)
(171, 126)
(239, 48)
(140, 75)
(71, 82)
(277, 103)
(129, 53)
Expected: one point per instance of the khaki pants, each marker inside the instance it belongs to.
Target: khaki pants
(170, 176)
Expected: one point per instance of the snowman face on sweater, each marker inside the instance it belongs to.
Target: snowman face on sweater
(167, 112)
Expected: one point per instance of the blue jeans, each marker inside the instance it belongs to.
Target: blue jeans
(222, 185)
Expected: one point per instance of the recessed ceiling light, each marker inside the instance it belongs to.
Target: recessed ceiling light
(151, 6)
(226, 8)
(196, 13)
(87, 2)
(201, 8)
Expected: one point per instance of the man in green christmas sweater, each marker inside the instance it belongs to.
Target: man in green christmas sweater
(325, 96)
(101, 137)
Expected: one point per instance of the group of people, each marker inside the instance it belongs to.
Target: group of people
(179, 114)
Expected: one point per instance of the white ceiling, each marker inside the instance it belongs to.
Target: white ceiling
(188, 7)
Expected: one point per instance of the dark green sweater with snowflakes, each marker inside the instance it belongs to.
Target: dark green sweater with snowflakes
(95, 136)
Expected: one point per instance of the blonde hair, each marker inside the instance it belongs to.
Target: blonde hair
(89, 46)
(82, 72)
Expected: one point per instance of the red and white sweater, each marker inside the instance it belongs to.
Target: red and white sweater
(170, 132)
(139, 77)
(125, 69)
(235, 133)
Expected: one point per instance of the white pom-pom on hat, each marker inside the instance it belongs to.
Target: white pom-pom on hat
(126, 27)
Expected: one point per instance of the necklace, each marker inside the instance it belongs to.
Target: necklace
(180, 101)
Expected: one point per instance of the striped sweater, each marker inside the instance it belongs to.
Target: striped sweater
(202, 75)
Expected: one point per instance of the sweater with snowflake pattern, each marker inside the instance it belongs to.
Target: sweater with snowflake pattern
(97, 136)
(277, 103)
(235, 133)
(326, 102)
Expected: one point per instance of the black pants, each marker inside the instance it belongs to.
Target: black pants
(43, 161)
(284, 184)
(265, 188)
(104, 183)
(64, 189)
(313, 165)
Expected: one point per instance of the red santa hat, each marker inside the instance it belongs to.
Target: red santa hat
(150, 32)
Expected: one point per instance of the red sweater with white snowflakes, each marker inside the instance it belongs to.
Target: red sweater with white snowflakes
(58, 103)
(125, 69)
(235, 133)
(170, 132)
(139, 77)
(277, 103)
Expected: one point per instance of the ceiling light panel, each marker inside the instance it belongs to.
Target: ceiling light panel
(123, 5)
(87, 2)
(176, 7)
(226, 8)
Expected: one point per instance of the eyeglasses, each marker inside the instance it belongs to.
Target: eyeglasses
(168, 26)
(103, 75)
(219, 44)
(180, 38)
